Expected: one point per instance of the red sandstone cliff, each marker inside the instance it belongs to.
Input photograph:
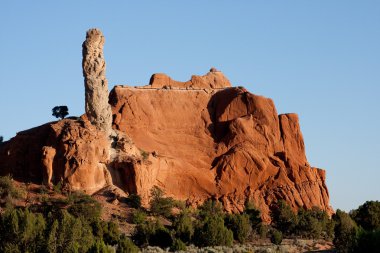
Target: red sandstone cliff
(198, 139)
(226, 144)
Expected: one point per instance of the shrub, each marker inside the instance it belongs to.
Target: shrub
(368, 215)
(183, 226)
(111, 233)
(346, 232)
(283, 217)
(21, 231)
(276, 237)
(58, 187)
(82, 205)
(210, 208)
(263, 230)
(368, 241)
(253, 213)
(308, 225)
(152, 233)
(100, 247)
(134, 201)
(126, 245)
(240, 226)
(178, 245)
(7, 188)
(212, 232)
(138, 216)
(160, 205)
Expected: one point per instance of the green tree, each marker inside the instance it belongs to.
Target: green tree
(138, 216)
(210, 208)
(100, 247)
(308, 225)
(159, 204)
(152, 233)
(84, 206)
(240, 225)
(212, 232)
(253, 213)
(134, 200)
(126, 245)
(60, 111)
(368, 215)
(283, 217)
(21, 231)
(276, 237)
(346, 232)
(183, 226)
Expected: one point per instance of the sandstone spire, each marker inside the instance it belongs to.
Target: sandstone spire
(98, 109)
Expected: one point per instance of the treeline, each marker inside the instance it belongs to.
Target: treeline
(357, 231)
(70, 224)
(73, 224)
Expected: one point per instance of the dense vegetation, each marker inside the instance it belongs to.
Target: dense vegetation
(73, 224)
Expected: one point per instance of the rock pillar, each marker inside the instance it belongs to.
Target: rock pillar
(98, 110)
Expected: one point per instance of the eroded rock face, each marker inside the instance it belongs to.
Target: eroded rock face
(212, 80)
(98, 110)
(224, 144)
(70, 151)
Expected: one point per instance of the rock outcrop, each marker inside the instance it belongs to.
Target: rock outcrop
(226, 144)
(98, 110)
(214, 79)
(196, 140)
(70, 151)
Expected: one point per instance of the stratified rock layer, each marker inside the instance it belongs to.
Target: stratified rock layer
(98, 110)
(224, 144)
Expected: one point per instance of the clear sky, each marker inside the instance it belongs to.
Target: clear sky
(318, 58)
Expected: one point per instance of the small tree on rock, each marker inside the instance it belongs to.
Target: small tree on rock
(60, 111)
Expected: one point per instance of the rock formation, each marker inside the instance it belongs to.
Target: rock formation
(226, 144)
(98, 110)
(213, 79)
(48, 154)
(70, 151)
(196, 140)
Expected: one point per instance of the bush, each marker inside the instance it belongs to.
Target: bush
(283, 217)
(309, 225)
(126, 245)
(21, 231)
(210, 208)
(240, 226)
(160, 205)
(368, 215)
(212, 232)
(111, 233)
(276, 237)
(82, 205)
(263, 230)
(253, 213)
(152, 233)
(7, 188)
(368, 241)
(346, 232)
(138, 216)
(100, 247)
(134, 201)
(183, 226)
(178, 245)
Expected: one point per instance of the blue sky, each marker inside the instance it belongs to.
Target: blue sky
(320, 59)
